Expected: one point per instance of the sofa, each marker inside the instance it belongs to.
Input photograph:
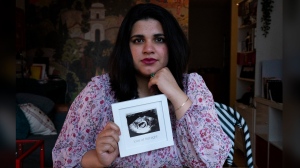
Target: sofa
(38, 117)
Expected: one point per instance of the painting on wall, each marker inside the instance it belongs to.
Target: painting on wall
(78, 35)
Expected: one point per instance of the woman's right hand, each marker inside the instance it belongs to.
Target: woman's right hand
(107, 144)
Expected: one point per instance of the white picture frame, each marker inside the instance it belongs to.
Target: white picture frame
(145, 124)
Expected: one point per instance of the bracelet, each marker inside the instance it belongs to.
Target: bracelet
(182, 104)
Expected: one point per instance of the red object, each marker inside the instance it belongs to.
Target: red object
(247, 58)
(21, 155)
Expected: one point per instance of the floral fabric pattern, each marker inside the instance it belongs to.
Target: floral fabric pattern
(199, 140)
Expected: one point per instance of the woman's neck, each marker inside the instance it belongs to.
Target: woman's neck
(142, 89)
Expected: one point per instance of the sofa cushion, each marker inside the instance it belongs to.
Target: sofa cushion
(22, 124)
(43, 103)
(39, 122)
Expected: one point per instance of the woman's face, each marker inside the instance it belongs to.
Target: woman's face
(148, 47)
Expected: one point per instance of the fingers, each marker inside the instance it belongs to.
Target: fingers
(112, 126)
(155, 77)
(163, 78)
(151, 83)
(166, 83)
(108, 145)
(108, 138)
(111, 130)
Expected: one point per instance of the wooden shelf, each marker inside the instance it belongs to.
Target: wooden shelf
(270, 103)
(263, 136)
(251, 26)
(243, 106)
(246, 79)
(278, 144)
(246, 52)
(268, 131)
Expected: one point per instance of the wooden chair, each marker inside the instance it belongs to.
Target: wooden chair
(229, 119)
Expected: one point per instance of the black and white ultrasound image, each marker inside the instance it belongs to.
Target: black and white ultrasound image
(142, 123)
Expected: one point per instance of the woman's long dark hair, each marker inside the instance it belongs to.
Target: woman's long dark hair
(122, 72)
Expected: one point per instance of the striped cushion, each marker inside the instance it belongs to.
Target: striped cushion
(229, 119)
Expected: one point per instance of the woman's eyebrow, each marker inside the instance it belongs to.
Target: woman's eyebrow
(137, 35)
(140, 36)
(159, 34)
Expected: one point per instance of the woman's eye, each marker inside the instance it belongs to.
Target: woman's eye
(160, 40)
(137, 40)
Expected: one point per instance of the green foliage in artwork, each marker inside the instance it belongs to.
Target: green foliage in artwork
(85, 25)
(117, 7)
(99, 52)
(70, 51)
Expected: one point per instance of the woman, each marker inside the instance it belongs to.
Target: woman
(150, 57)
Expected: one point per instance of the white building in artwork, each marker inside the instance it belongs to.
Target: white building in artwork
(97, 21)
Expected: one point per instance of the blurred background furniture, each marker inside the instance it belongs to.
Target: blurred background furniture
(56, 90)
(56, 112)
(21, 154)
(50, 99)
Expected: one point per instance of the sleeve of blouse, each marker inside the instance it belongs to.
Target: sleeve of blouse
(199, 133)
(78, 133)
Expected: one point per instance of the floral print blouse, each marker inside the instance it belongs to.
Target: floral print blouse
(199, 140)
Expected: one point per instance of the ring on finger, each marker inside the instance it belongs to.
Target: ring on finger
(152, 75)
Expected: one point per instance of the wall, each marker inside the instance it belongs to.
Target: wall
(208, 30)
(270, 47)
(291, 82)
(209, 37)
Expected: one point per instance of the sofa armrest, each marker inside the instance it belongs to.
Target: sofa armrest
(61, 111)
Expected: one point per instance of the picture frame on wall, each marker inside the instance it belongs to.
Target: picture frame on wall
(38, 71)
(145, 124)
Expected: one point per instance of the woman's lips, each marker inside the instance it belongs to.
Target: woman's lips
(149, 61)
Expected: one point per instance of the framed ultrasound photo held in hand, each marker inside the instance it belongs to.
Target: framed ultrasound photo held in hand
(145, 124)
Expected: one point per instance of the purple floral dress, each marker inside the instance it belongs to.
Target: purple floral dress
(199, 140)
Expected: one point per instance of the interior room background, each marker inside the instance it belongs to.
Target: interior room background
(77, 36)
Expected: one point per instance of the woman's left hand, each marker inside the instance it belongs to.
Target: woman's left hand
(166, 83)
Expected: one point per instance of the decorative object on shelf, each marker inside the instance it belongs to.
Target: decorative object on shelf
(21, 65)
(249, 41)
(248, 96)
(246, 99)
(267, 8)
(247, 71)
(246, 58)
(273, 89)
(247, 10)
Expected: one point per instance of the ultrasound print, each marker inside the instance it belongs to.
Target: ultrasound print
(142, 123)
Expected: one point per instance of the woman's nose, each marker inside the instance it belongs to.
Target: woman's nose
(148, 48)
